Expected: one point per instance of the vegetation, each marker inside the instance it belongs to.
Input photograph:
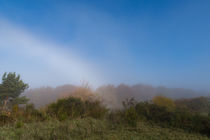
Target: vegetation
(164, 102)
(10, 89)
(74, 107)
(199, 105)
(78, 119)
(12, 86)
(91, 129)
(177, 118)
(85, 117)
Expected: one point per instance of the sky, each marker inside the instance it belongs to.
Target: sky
(56, 42)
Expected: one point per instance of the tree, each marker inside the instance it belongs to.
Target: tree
(164, 102)
(11, 87)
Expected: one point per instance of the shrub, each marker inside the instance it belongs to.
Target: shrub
(131, 117)
(199, 105)
(19, 124)
(164, 102)
(69, 107)
(95, 109)
(5, 119)
(178, 118)
(74, 107)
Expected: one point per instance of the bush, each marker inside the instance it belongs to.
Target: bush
(131, 117)
(164, 102)
(178, 118)
(74, 107)
(95, 109)
(199, 105)
(19, 124)
(4, 119)
(69, 107)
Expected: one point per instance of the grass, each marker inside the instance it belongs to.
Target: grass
(91, 129)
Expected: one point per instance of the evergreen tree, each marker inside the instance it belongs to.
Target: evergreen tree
(12, 86)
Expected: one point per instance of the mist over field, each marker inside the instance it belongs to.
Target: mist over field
(112, 96)
(104, 69)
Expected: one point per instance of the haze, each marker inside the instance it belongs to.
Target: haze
(51, 43)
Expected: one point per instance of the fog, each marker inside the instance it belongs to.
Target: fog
(112, 96)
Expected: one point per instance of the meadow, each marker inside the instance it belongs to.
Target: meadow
(92, 129)
(74, 118)
(84, 115)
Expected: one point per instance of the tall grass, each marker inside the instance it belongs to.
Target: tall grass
(87, 118)
(91, 129)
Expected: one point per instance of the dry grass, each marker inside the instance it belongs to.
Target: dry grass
(91, 129)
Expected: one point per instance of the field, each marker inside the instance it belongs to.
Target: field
(91, 129)
(84, 115)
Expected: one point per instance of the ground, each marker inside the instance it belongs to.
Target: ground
(91, 129)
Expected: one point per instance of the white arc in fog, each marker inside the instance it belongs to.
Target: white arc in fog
(18, 40)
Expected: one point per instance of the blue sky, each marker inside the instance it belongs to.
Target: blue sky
(55, 42)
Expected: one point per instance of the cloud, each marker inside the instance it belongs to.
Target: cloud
(64, 61)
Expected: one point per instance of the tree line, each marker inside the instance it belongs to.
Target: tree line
(165, 112)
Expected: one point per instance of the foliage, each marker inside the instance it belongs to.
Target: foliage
(95, 109)
(129, 102)
(12, 86)
(5, 119)
(129, 114)
(72, 107)
(178, 118)
(91, 129)
(69, 107)
(199, 105)
(164, 102)
(20, 100)
(84, 117)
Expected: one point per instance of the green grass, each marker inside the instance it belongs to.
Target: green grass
(91, 129)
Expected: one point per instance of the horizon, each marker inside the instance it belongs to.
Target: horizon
(52, 43)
